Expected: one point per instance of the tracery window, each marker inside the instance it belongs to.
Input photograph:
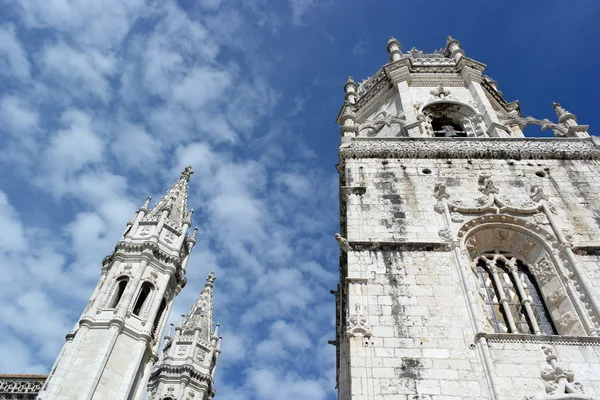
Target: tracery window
(512, 296)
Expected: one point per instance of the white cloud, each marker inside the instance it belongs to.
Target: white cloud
(300, 8)
(82, 74)
(70, 150)
(18, 117)
(123, 95)
(98, 23)
(134, 147)
(13, 58)
(10, 223)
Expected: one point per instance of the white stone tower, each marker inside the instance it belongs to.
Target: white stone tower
(110, 352)
(189, 359)
(470, 254)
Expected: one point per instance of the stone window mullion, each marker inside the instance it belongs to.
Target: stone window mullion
(493, 268)
(525, 300)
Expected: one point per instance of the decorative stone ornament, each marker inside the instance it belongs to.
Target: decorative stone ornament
(559, 381)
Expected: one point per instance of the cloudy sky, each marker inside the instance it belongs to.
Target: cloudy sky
(104, 102)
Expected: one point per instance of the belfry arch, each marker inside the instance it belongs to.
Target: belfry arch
(450, 118)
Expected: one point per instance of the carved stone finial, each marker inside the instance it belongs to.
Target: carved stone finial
(395, 49)
(210, 279)
(453, 48)
(187, 171)
(562, 114)
(343, 242)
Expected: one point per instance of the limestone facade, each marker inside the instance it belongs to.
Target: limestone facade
(469, 262)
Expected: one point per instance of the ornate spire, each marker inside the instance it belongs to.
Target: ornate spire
(201, 313)
(194, 347)
(175, 200)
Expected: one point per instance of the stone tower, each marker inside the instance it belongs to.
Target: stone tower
(189, 359)
(470, 254)
(110, 352)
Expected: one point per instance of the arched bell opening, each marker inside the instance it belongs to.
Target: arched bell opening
(450, 119)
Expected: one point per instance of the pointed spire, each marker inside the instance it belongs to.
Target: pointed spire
(146, 206)
(176, 199)
(200, 315)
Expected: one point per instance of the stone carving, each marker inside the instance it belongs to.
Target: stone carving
(544, 123)
(566, 320)
(439, 207)
(486, 185)
(568, 234)
(557, 297)
(200, 355)
(543, 271)
(490, 148)
(446, 235)
(145, 230)
(440, 191)
(343, 242)
(169, 238)
(471, 245)
(481, 200)
(382, 119)
(457, 217)
(505, 199)
(540, 218)
(559, 380)
(440, 92)
(536, 192)
(181, 350)
(357, 326)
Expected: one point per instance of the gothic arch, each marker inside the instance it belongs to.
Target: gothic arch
(461, 113)
(533, 246)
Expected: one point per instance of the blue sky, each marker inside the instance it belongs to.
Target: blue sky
(103, 103)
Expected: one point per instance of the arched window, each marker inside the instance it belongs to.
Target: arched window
(512, 297)
(142, 298)
(446, 127)
(121, 285)
(161, 311)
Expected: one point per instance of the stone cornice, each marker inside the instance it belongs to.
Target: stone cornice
(546, 339)
(472, 148)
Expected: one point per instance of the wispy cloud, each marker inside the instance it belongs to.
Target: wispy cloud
(107, 101)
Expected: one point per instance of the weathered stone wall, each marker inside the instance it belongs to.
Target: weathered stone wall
(404, 278)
